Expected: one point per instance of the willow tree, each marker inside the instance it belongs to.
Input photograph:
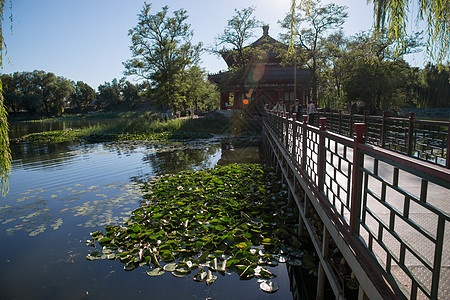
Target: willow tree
(5, 154)
(393, 15)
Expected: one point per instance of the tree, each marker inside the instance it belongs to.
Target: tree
(82, 96)
(12, 98)
(434, 88)
(130, 92)
(435, 12)
(5, 152)
(309, 25)
(198, 91)
(236, 34)
(333, 73)
(375, 74)
(109, 93)
(161, 51)
(54, 91)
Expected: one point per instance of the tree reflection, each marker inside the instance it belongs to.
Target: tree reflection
(166, 161)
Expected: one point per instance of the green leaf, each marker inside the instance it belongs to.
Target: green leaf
(155, 272)
(268, 286)
(170, 267)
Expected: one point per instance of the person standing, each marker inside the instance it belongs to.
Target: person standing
(299, 110)
(311, 112)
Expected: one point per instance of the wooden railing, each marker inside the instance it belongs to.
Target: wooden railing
(425, 139)
(387, 213)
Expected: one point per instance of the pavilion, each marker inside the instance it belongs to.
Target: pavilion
(264, 80)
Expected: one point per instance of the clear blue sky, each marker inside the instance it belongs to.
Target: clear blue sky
(88, 40)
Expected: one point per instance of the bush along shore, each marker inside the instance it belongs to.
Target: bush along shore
(147, 127)
(210, 223)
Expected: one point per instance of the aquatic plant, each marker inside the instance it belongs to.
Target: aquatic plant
(150, 126)
(232, 218)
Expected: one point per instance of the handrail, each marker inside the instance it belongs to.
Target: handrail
(384, 199)
(424, 139)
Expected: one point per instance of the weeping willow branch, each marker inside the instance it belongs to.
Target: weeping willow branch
(5, 154)
(392, 15)
(291, 48)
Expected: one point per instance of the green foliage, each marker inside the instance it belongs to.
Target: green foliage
(231, 44)
(45, 94)
(376, 73)
(434, 86)
(162, 52)
(333, 74)
(435, 12)
(37, 92)
(309, 26)
(109, 93)
(227, 219)
(238, 31)
(150, 126)
(5, 152)
(82, 96)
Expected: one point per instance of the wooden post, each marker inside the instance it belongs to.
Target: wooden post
(294, 136)
(339, 122)
(356, 190)
(286, 142)
(448, 147)
(365, 121)
(410, 133)
(304, 141)
(321, 154)
(280, 124)
(321, 272)
(383, 129)
(350, 124)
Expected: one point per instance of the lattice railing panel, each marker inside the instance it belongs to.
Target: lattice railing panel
(398, 220)
(337, 181)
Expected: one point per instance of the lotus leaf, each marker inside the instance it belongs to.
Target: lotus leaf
(170, 267)
(211, 220)
(269, 286)
(156, 272)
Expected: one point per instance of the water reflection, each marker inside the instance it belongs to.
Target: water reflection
(192, 158)
(29, 156)
(59, 193)
(19, 129)
(96, 184)
(231, 154)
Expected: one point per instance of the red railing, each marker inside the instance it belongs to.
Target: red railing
(425, 139)
(394, 208)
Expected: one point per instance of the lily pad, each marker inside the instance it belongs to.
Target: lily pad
(268, 286)
(219, 220)
(170, 267)
(155, 272)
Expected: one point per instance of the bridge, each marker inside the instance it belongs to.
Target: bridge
(373, 196)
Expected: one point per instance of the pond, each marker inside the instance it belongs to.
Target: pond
(19, 129)
(59, 193)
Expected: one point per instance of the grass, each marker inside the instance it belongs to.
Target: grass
(148, 127)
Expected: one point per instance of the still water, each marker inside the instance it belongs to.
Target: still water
(59, 193)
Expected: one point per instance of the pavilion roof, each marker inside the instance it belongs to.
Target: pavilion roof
(264, 74)
(265, 42)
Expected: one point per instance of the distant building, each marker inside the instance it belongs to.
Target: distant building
(264, 81)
